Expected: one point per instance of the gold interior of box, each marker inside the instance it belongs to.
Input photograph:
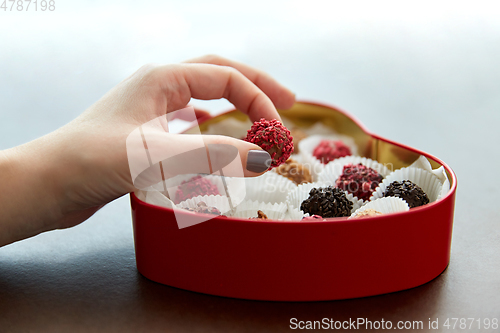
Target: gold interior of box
(304, 115)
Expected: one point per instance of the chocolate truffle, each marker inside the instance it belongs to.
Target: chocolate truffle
(327, 202)
(203, 208)
(294, 171)
(194, 187)
(359, 180)
(367, 213)
(298, 135)
(273, 137)
(329, 150)
(260, 216)
(408, 191)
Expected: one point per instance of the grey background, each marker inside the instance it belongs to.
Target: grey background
(424, 74)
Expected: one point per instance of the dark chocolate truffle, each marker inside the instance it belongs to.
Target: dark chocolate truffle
(408, 191)
(327, 202)
(194, 187)
(359, 180)
(273, 137)
(329, 150)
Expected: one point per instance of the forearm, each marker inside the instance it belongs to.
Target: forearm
(29, 199)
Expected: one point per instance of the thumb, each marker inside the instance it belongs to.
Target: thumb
(215, 154)
(155, 155)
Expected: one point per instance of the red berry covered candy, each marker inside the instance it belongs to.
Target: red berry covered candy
(329, 150)
(359, 180)
(273, 137)
(194, 187)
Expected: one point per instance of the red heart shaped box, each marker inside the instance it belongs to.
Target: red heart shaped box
(302, 261)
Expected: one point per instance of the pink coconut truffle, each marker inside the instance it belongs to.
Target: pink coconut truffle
(273, 137)
(194, 187)
(329, 150)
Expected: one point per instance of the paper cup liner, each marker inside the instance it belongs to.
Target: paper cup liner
(218, 201)
(248, 209)
(423, 163)
(235, 186)
(318, 129)
(301, 193)
(308, 145)
(384, 205)
(333, 170)
(268, 188)
(294, 214)
(297, 158)
(141, 195)
(426, 180)
(156, 198)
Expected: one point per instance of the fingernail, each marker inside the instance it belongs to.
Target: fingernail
(258, 161)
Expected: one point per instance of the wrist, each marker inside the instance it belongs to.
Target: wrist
(30, 199)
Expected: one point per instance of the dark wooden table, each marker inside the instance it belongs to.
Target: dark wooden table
(428, 77)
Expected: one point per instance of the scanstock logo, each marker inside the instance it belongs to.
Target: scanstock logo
(160, 161)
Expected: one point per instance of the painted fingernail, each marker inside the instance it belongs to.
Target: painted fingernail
(258, 161)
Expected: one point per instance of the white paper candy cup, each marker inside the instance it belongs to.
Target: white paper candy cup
(426, 180)
(319, 129)
(268, 188)
(316, 128)
(218, 201)
(301, 193)
(423, 163)
(294, 214)
(333, 170)
(308, 145)
(296, 157)
(248, 209)
(235, 186)
(384, 205)
(155, 198)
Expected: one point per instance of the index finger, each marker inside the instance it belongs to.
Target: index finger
(205, 81)
(281, 96)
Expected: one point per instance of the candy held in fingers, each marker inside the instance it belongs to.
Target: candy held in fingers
(273, 137)
(408, 191)
(327, 202)
(329, 150)
(359, 180)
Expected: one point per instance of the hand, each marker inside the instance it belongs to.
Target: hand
(61, 179)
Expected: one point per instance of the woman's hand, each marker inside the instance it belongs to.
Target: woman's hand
(61, 179)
